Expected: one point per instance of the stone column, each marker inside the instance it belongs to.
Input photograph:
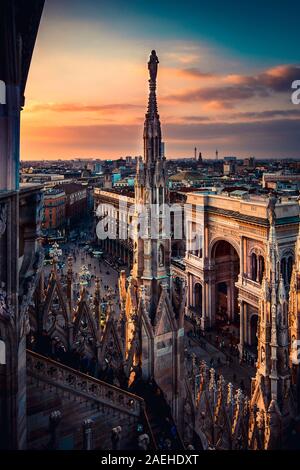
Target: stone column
(54, 420)
(242, 327)
(190, 291)
(229, 295)
(232, 298)
(242, 257)
(13, 402)
(211, 302)
(204, 318)
(87, 426)
(10, 139)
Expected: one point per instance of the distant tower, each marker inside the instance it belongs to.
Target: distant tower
(195, 153)
(200, 157)
(217, 154)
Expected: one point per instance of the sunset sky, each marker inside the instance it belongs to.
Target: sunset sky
(224, 80)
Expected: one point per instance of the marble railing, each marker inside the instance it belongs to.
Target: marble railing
(58, 375)
(247, 282)
(195, 258)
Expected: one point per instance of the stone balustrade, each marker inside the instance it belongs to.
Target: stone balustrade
(48, 371)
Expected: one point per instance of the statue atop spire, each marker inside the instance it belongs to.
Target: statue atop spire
(152, 129)
(152, 104)
(152, 66)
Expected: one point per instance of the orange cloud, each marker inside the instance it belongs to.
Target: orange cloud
(194, 72)
(78, 107)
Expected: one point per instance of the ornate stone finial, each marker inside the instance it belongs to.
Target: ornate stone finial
(152, 66)
(212, 381)
(221, 384)
(152, 104)
(212, 385)
(239, 398)
(260, 419)
(55, 252)
(142, 292)
(110, 312)
(230, 398)
(203, 370)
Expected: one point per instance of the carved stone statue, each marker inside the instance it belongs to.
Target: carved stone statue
(152, 66)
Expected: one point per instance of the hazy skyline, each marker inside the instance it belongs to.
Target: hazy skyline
(224, 79)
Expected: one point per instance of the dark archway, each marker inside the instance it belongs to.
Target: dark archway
(227, 268)
(198, 299)
(253, 267)
(261, 268)
(222, 302)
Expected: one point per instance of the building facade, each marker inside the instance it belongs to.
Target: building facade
(76, 201)
(54, 213)
(226, 265)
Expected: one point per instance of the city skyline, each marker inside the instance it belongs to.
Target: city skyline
(224, 80)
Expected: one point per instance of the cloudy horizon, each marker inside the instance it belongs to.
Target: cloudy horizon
(224, 79)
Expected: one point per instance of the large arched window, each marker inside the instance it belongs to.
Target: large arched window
(286, 268)
(161, 195)
(289, 269)
(283, 269)
(261, 268)
(253, 267)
